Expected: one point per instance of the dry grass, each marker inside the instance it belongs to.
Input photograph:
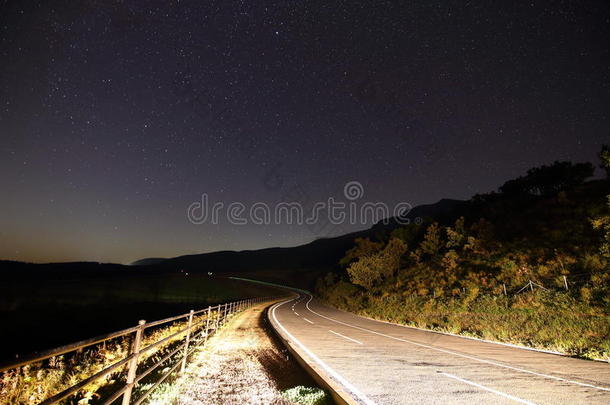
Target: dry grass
(35, 382)
(242, 364)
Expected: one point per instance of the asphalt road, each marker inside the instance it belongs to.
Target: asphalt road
(382, 363)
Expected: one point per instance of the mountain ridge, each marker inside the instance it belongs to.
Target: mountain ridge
(319, 253)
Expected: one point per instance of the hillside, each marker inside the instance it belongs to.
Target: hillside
(519, 265)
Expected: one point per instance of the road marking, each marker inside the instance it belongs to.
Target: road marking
(345, 337)
(296, 313)
(493, 363)
(307, 320)
(336, 376)
(522, 401)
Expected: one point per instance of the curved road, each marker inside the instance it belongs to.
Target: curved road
(381, 363)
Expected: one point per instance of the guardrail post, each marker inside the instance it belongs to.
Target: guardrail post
(207, 325)
(217, 321)
(186, 343)
(133, 363)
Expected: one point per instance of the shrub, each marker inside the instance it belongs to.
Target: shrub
(306, 395)
(371, 269)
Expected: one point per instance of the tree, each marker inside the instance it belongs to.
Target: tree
(456, 236)
(408, 233)
(432, 243)
(364, 247)
(603, 222)
(450, 260)
(481, 239)
(369, 270)
(549, 180)
(604, 156)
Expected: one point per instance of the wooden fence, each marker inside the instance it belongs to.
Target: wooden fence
(195, 328)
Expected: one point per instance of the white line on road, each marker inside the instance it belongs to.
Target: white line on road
(296, 313)
(307, 320)
(493, 363)
(336, 376)
(345, 337)
(522, 401)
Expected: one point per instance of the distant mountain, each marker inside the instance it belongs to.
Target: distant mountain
(149, 262)
(319, 254)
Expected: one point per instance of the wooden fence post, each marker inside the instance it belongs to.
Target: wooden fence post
(217, 320)
(133, 363)
(207, 325)
(186, 343)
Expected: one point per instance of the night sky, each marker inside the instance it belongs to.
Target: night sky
(116, 115)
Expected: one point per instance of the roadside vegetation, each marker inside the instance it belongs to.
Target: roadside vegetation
(242, 364)
(528, 265)
(34, 383)
(105, 305)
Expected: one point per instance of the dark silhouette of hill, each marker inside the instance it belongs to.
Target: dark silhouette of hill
(321, 253)
(149, 261)
(13, 270)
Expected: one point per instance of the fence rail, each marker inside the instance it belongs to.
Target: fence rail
(198, 327)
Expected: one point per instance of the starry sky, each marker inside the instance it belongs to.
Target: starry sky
(116, 115)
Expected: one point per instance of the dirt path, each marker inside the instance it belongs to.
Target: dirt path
(242, 364)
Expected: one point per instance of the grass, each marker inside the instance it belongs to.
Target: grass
(242, 364)
(306, 395)
(57, 312)
(548, 320)
(35, 382)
